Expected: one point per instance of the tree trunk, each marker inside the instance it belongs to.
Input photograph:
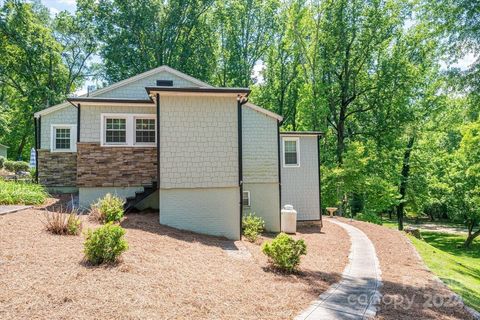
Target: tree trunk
(403, 181)
(471, 237)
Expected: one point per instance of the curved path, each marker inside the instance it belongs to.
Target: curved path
(355, 296)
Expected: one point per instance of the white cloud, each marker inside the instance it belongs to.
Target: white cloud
(68, 2)
(53, 11)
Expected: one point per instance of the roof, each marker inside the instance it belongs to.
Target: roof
(110, 100)
(302, 133)
(2, 145)
(198, 90)
(264, 111)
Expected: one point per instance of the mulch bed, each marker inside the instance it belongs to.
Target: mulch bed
(166, 274)
(409, 290)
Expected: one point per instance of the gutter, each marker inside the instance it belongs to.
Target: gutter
(157, 103)
(241, 100)
(319, 180)
(279, 124)
(37, 144)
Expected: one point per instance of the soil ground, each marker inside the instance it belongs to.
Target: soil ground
(165, 274)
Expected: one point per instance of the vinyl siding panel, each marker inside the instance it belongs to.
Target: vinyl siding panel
(67, 115)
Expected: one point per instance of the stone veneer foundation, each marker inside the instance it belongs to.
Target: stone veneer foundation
(57, 169)
(115, 166)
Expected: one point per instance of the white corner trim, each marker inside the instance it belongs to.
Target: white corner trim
(73, 137)
(264, 111)
(297, 140)
(129, 128)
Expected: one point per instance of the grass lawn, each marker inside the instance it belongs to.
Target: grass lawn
(457, 267)
(12, 192)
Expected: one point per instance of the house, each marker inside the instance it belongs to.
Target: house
(201, 155)
(3, 150)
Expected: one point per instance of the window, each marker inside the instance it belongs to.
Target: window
(291, 152)
(116, 130)
(63, 137)
(145, 130)
(246, 198)
(128, 129)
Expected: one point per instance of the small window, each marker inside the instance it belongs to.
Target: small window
(145, 131)
(116, 130)
(246, 198)
(290, 152)
(62, 138)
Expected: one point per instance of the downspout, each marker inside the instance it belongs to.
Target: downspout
(319, 182)
(78, 124)
(240, 102)
(279, 123)
(36, 120)
(158, 150)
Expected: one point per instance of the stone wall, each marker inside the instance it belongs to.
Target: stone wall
(57, 169)
(115, 166)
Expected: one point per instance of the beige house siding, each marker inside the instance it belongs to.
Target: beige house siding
(136, 90)
(90, 122)
(198, 142)
(300, 184)
(260, 167)
(67, 115)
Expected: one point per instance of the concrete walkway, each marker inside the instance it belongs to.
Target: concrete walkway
(9, 209)
(355, 296)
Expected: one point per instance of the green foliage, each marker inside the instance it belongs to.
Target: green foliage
(105, 244)
(21, 193)
(62, 223)
(9, 165)
(16, 166)
(2, 161)
(252, 226)
(369, 217)
(108, 209)
(285, 252)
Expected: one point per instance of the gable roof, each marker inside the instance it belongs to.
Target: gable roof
(126, 82)
(264, 111)
(2, 145)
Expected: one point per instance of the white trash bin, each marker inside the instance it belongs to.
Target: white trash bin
(288, 219)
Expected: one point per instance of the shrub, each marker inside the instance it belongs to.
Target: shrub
(9, 165)
(369, 217)
(15, 166)
(2, 161)
(63, 223)
(108, 209)
(12, 192)
(252, 226)
(284, 252)
(21, 166)
(105, 244)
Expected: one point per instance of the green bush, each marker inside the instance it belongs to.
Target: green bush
(369, 217)
(105, 244)
(12, 192)
(284, 252)
(252, 226)
(21, 166)
(2, 161)
(15, 166)
(9, 165)
(108, 209)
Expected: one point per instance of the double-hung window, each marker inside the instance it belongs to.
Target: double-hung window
(145, 131)
(291, 149)
(128, 130)
(63, 138)
(115, 130)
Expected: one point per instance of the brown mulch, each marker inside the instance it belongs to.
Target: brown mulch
(409, 290)
(165, 274)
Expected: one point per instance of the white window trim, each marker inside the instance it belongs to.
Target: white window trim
(249, 199)
(297, 140)
(129, 127)
(73, 137)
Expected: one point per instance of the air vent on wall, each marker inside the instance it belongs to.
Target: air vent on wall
(164, 83)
